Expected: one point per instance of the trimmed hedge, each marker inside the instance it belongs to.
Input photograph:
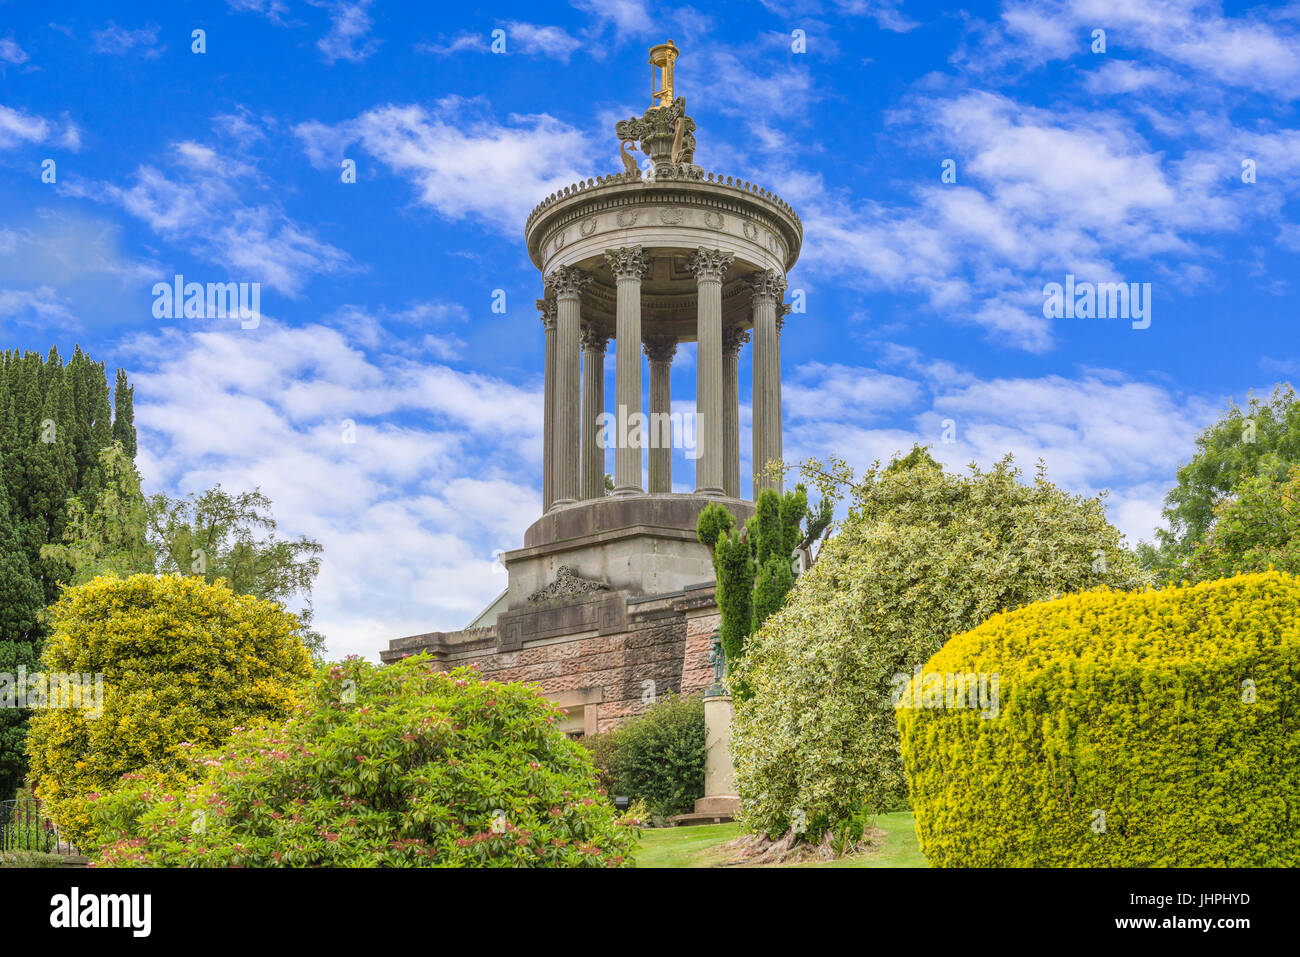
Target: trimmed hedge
(1138, 729)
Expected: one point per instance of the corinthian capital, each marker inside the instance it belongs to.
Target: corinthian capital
(593, 338)
(768, 285)
(660, 348)
(567, 281)
(627, 262)
(547, 308)
(733, 337)
(709, 263)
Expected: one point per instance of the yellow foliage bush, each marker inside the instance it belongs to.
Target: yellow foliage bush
(1141, 729)
(183, 663)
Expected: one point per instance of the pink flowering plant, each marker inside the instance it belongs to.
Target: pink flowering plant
(401, 765)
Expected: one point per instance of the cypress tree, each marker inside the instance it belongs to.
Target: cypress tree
(56, 418)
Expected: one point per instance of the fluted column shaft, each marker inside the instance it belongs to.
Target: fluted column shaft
(593, 404)
(768, 290)
(628, 265)
(733, 337)
(567, 283)
(660, 352)
(547, 309)
(709, 267)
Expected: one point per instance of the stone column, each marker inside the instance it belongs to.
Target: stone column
(733, 337)
(547, 309)
(567, 283)
(628, 264)
(768, 289)
(593, 404)
(660, 352)
(782, 310)
(709, 267)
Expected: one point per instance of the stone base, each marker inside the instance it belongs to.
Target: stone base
(714, 809)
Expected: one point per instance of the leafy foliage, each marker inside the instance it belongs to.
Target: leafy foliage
(1258, 528)
(1148, 729)
(183, 662)
(656, 757)
(1259, 441)
(55, 419)
(753, 566)
(402, 765)
(922, 555)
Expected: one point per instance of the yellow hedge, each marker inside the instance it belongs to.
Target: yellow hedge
(1156, 728)
(183, 662)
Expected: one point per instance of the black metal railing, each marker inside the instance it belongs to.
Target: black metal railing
(24, 828)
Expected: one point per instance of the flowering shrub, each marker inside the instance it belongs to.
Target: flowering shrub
(1146, 729)
(923, 555)
(182, 661)
(401, 765)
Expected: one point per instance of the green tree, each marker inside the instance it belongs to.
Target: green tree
(1263, 439)
(110, 537)
(1256, 529)
(753, 567)
(220, 534)
(56, 419)
(921, 556)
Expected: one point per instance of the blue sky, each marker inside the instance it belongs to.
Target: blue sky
(925, 298)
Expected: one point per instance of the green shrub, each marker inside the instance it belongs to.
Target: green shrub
(656, 757)
(183, 662)
(382, 766)
(29, 859)
(1144, 729)
(922, 555)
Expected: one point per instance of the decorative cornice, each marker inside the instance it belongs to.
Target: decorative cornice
(733, 337)
(627, 262)
(660, 348)
(548, 309)
(666, 173)
(767, 285)
(709, 263)
(567, 281)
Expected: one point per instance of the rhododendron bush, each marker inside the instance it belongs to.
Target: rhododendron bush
(401, 765)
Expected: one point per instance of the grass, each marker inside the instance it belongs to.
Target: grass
(700, 846)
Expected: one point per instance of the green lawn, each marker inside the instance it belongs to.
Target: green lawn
(698, 846)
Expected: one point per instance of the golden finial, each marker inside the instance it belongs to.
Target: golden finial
(661, 88)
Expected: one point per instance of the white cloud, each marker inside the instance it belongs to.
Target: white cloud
(1251, 51)
(11, 52)
(463, 162)
(206, 201)
(349, 25)
(1096, 431)
(119, 41)
(441, 473)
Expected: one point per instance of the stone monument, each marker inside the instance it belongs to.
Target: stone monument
(610, 600)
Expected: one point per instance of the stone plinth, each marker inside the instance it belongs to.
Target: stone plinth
(643, 544)
(720, 802)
